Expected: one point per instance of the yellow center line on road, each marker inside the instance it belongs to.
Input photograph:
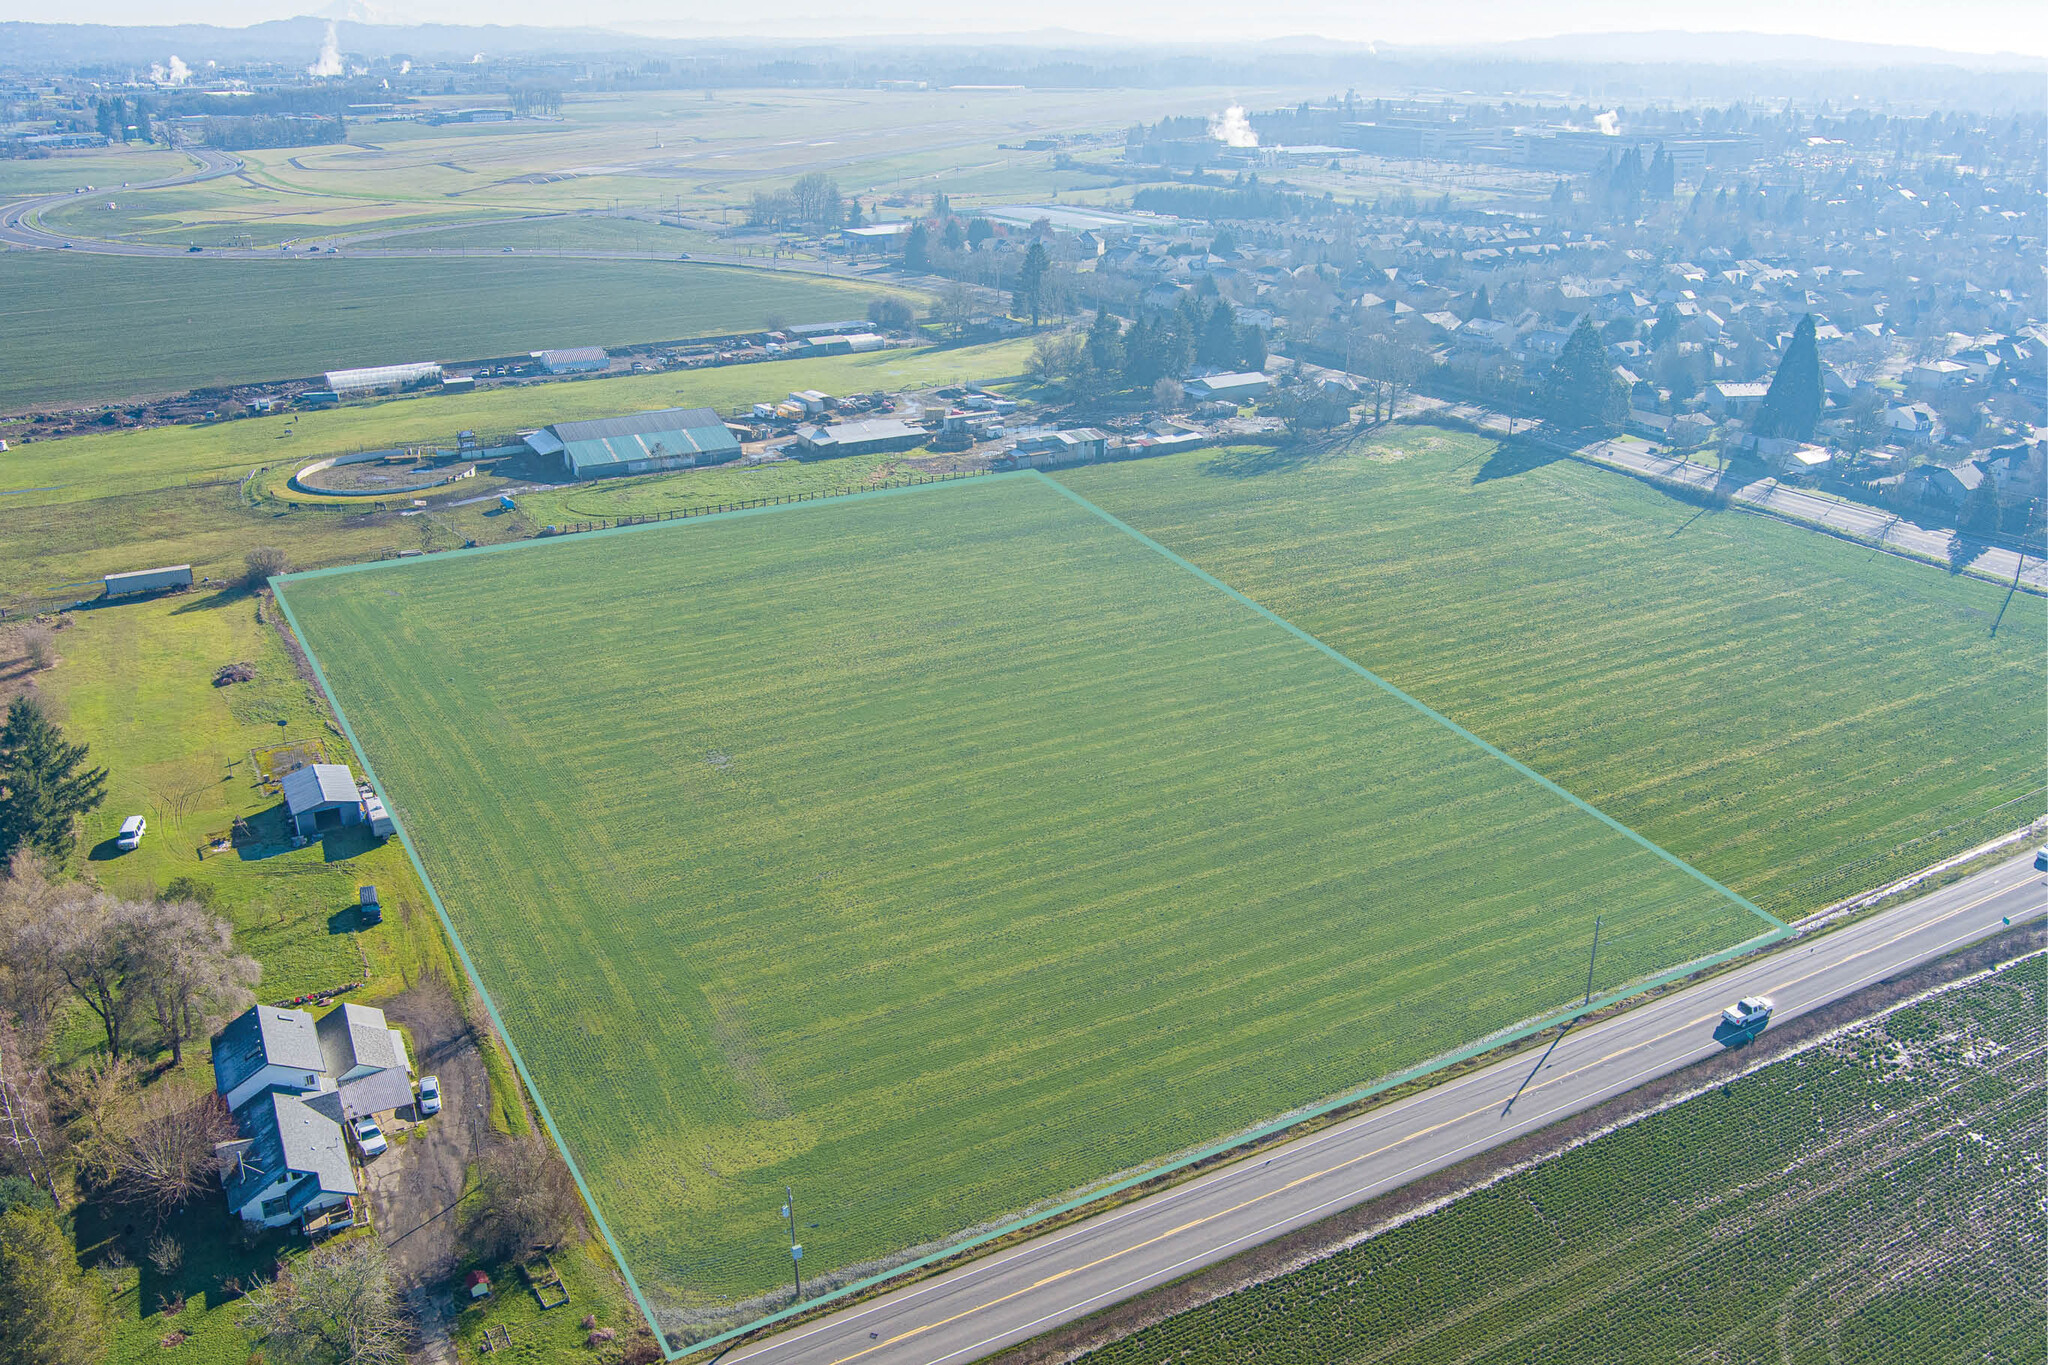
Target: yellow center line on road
(1405, 1138)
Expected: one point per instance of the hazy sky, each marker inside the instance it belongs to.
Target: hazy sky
(1961, 25)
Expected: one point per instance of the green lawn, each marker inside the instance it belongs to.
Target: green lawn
(1875, 1200)
(135, 681)
(939, 853)
(87, 329)
(1768, 703)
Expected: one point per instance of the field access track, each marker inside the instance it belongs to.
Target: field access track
(941, 853)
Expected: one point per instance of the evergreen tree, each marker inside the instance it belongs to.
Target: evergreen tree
(1106, 343)
(1793, 406)
(1980, 509)
(51, 1312)
(1218, 344)
(1582, 391)
(1482, 307)
(917, 248)
(42, 789)
(1665, 330)
(1030, 291)
(1251, 349)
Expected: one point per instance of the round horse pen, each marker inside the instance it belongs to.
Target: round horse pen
(384, 473)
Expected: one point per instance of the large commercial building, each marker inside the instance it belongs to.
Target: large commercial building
(669, 438)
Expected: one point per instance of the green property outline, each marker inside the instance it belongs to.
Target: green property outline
(1778, 931)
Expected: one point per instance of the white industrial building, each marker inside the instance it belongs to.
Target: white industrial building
(382, 377)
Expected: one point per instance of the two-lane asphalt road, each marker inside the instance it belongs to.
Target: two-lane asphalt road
(1016, 1294)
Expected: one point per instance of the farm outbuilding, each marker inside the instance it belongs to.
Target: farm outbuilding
(149, 580)
(574, 360)
(382, 377)
(1238, 388)
(320, 797)
(669, 438)
(861, 438)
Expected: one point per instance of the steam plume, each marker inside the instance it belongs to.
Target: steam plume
(1233, 129)
(330, 56)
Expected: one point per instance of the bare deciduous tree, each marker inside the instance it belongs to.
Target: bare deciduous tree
(524, 1199)
(95, 941)
(31, 987)
(169, 958)
(263, 563)
(336, 1306)
(39, 646)
(152, 1147)
(190, 972)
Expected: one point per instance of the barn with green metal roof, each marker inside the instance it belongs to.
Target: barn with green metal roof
(643, 443)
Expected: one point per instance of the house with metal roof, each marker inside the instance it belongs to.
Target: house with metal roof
(320, 797)
(643, 443)
(289, 1162)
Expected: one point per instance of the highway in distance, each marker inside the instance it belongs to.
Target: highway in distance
(1013, 1295)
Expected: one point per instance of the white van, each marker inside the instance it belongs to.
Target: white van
(131, 833)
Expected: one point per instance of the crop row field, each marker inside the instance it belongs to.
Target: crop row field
(1874, 1200)
(86, 328)
(1798, 717)
(940, 853)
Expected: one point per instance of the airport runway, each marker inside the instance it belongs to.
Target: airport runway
(1016, 1294)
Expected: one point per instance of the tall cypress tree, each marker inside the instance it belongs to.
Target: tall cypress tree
(1793, 406)
(42, 789)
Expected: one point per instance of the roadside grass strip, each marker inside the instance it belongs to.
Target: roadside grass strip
(951, 854)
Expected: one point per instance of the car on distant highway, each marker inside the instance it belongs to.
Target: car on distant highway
(1751, 1011)
(2041, 858)
(369, 1136)
(507, 250)
(194, 248)
(682, 255)
(130, 837)
(430, 1095)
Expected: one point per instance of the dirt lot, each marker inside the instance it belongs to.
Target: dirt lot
(416, 1186)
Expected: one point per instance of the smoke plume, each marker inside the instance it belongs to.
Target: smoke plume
(1609, 123)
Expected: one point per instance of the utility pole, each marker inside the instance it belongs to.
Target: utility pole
(796, 1251)
(1589, 976)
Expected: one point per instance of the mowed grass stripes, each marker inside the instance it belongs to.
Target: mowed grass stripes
(939, 854)
(1766, 702)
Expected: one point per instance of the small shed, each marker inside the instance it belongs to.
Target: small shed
(320, 797)
(149, 580)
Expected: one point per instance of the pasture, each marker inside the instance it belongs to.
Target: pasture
(1881, 1203)
(87, 329)
(1798, 717)
(940, 853)
(74, 509)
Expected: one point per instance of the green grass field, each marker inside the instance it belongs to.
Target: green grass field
(940, 853)
(1768, 703)
(96, 329)
(1875, 1200)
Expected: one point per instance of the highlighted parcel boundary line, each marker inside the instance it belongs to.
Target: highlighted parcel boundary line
(1777, 930)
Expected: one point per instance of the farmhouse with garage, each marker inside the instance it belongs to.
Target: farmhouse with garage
(292, 1082)
(320, 797)
(669, 438)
